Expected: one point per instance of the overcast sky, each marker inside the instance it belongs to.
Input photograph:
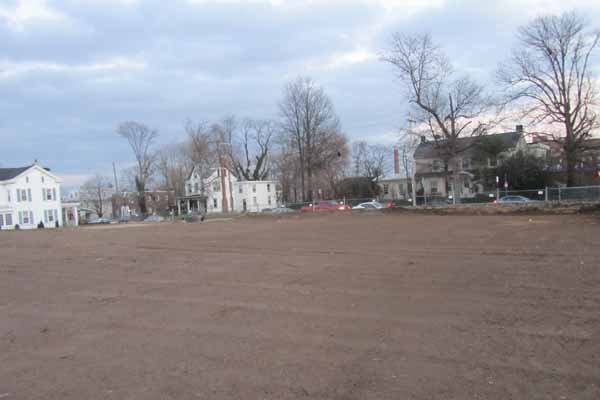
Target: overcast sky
(71, 70)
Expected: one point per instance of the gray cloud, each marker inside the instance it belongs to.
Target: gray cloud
(70, 70)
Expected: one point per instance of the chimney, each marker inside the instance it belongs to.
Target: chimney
(396, 161)
(519, 129)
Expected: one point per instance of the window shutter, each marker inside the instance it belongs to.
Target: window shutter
(54, 194)
(21, 217)
(29, 194)
(55, 216)
(43, 194)
(31, 217)
(18, 195)
(1, 219)
(46, 217)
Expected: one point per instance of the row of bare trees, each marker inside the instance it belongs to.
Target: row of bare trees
(304, 149)
(548, 79)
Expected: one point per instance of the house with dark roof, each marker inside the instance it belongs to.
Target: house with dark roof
(30, 196)
(434, 172)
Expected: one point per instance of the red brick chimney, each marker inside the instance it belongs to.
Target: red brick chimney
(396, 161)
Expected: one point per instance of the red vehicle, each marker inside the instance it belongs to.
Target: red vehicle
(326, 205)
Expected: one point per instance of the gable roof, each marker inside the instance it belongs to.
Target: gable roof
(10, 173)
(431, 149)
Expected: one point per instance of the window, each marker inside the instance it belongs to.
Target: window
(25, 217)
(466, 184)
(241, 189)
(254, 188)
(55, 215)
(196, 187)
(42, 179)
(8, 219)
(1, 220)
(189, 187)
(49, 216)
(436, 166)
(466, 164)
(48, 194)
(386, 188)
(8, 192)
(492, 162)
(434, 187)
(29, 194)
(254, 200)
(216, 186)
(26, 179)
(215, 202)
(269, 188)
(269, 200)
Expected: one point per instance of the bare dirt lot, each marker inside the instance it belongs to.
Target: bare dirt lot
(313, 307)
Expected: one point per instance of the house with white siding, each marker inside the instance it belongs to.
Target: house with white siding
(221, 192)
(29, 195)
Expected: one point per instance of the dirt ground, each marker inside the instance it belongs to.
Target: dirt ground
(313, 307)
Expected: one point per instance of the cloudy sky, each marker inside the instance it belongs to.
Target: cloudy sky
(71, 70)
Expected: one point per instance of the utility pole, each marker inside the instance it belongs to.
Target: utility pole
(115, 176)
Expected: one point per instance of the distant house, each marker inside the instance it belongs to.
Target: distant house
(588, 161)
(221, 192)
(29, 196)
(126, 204)
(434, 178)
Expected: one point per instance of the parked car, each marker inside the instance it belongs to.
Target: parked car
(100, 221)
(326, 205)
(281, 210)
(514, 200)
(369, 205)
(154, 218)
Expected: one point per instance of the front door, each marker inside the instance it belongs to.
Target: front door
(244, 206)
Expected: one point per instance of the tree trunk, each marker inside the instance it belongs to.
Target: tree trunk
(309, 194)
(571, 165)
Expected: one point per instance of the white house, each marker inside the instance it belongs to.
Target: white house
(221, 192)
(29, 195)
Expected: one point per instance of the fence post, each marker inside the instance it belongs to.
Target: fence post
(546, 194)
(559, 194)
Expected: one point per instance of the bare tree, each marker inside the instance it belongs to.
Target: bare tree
(406, 149)
(549, 74)
(308, 118)
(254, 144)
(140, 138)
(370, 160)
(95, 192)
(447, 107)
(173, 166)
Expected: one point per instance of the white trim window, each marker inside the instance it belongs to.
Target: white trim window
(436, 166)
(49, 216)
(23, 195)
(241, 189)
(25, 217)
(269, 188)
(253, 188)
(8, 219)
(269, 200)
(49, 194)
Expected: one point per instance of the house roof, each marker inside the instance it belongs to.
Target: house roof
(10, 173)
(431, 149)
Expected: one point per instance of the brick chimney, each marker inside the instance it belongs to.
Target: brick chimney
(519, 129)
(396, 161)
